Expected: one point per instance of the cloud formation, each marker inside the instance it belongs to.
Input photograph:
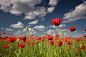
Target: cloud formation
(18, 25)
(78, 13)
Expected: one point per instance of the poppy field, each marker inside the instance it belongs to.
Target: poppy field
(46, 46)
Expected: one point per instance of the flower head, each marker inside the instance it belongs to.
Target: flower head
(4, 33)
(59, 43)
(85, 29)
(72, 29)
(56, 21)
(6, 46)
(11, 40)
(21, 45)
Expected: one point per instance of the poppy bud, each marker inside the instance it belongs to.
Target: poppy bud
(26, 28)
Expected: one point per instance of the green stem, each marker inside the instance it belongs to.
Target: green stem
(47, 31)
(58, 30)
(76, 34)
(26, 33)
(83, 32)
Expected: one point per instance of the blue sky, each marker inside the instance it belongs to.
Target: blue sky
(16, 15)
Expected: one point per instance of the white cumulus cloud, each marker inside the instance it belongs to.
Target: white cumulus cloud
(8, 29)
(33, 22)
(78, 13)
(18, 25)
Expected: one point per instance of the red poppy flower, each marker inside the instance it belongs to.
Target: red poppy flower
(79, 49)
(5, 37)
(84, 36)
(78, 39)
(83, 46)
(18, 47)
(50, 37)
(69, 43)
(6, 46)
(85, 29)
(66, 40)
(0, 34)
(11, 34)
(72, 29)
(7, 34)
(11, 40)
(28, 43)
(42, 39)
(21, 45)
(59, 43)
(69, 47)
(33, 43)
(38, 41)
(39, 38)
(51, 42)
(77, 42)
(56, 22)
(31, 35)
(24, 38)
(56, 36)
(4, 33)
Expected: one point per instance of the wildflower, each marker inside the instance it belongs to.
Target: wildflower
(6, 46)
(85, 29)
(84, 36)
(21, 45)
(4, 33)
(72, 29)
(18, 47)
(83, 46)
(11, 34)
(69, 47)
(24, 38)
(56, 49)
(78, 39)
(28, 43)
(56, 36)
(56, 21)
(7, 34)
(33, 43)
(77, 42)
(51, 42)
(50, 37)
(59, 43)
(79, 49)
(11, 40)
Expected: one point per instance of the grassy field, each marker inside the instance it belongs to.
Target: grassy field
(43, 47)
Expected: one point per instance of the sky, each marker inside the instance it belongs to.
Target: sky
(16, 15)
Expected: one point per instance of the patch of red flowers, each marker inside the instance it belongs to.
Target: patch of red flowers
(11, 40)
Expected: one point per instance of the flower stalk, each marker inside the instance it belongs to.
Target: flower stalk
(58, 31)
(82, 31)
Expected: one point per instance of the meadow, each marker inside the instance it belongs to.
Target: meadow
(46, 46)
